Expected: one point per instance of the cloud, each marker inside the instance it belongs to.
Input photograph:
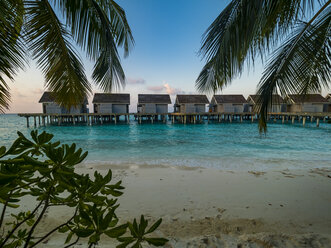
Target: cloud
(135, 81)
(156, 88)
(165, 88)
(37, 91)
(173, 91)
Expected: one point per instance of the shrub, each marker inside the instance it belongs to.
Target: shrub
(45, 171)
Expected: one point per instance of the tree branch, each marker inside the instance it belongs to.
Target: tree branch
(73, 243)
(20, 223)
(37, 221)
(55, 229)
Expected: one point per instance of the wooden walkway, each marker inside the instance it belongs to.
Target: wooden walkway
(96, 118)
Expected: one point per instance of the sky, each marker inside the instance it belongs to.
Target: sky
(164, 59)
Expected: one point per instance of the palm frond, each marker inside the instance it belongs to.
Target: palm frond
(11, 47)
(105, 27)
(245, 29)
(301, 65)
(51, 46)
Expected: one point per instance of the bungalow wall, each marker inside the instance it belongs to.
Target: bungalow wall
(53, 108)
(192, 108)
(120, 108)
(276, 108)
(103, 108)
(161, 108)
(230, 108)
(152, 108)
(306, 107)
(200, 108)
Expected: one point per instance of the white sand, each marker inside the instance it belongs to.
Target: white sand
(212, 208)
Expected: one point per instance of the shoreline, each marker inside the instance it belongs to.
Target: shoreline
(204, 207)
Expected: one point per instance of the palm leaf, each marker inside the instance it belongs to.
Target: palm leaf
(11, 47)
(301, 65)
(243, 30)
(51, 45)
(105, 27)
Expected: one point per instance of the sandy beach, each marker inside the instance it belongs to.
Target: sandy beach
(213, 208)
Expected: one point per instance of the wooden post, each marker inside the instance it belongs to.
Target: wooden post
(128, 120)
(115, 119)
(252, 118)
(241, 118)
(39, 120)
(152, 119)
(311, 118)
(283, 119)
(275, 118)
(184, 119)
(230, 118)
(293, 119)
(317, 122)
(58, 120)
(43, 120)
(101, 120)
(27, 122)
(304, 121)
(73, 120)
(173, 119)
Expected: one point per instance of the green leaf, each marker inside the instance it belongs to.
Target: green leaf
(83, 233)
(154, 226)
(7, 178)
(156, 241)
(117, 231)
(69, 237)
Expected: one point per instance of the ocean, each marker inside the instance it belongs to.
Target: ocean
(225, 146)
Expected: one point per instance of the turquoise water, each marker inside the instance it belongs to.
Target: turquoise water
(236, 146)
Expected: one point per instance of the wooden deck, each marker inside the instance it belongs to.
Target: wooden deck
(40, 119)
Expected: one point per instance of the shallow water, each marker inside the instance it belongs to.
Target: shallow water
(236, 146)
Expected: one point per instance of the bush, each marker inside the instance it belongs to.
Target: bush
(44, 170)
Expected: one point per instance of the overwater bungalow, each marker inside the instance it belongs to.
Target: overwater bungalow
(153, 103)
(227, 104)
(312, 103)
(191, 104)
(111, 103)
(278, 104)
(327, 107)
(49, 105)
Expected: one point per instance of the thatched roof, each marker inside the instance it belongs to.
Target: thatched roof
(154, 98)
(310, 98)
(239, 99)
(276, 99)
(195, 99)
(48, 97)
(111, 98)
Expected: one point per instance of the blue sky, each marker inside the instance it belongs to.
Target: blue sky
(167, 37)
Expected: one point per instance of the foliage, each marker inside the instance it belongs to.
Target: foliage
(45, 171)
(47, 28)
(246, 29)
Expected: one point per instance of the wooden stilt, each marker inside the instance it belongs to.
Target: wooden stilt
(27, 122)
(304, 121)
(317, 122)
